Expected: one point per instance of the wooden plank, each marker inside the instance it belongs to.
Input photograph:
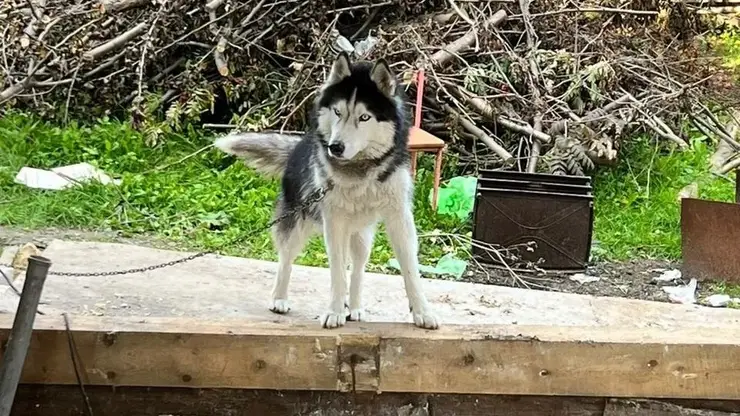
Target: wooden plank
(520, 360)
(66, 400)
(56, 400)
(181, 353)
(196, 290)
(588, 361)
(618, 407)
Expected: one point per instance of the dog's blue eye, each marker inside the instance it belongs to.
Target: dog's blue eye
(336, 111)
(365, 117)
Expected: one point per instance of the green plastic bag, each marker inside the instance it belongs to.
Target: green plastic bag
(457, 197)
(446, 265)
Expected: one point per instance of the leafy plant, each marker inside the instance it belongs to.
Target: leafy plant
(727, 44)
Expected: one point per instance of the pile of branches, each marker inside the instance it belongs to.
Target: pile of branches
(553, 86)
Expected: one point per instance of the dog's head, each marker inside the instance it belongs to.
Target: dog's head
(357, 110)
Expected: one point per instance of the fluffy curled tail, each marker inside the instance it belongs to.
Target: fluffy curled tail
(266, 152)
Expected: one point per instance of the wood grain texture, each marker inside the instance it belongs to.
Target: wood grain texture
(516, 360)
(214, 288)
(609, 369)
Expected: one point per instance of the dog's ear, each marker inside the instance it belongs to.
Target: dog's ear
(383, 78)
(339, 70)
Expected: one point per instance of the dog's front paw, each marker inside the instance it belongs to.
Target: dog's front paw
(333, 320)
(357, 315)
(426, 319)
(281, 306)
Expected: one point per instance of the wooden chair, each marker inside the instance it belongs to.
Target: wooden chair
(422, 141)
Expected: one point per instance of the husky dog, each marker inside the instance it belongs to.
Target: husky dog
(357, 149)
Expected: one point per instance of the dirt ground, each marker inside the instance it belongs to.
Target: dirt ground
(632, 279)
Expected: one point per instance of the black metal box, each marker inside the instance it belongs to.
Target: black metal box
(554, 211)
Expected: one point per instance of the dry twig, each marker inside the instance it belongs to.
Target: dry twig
(530, 74)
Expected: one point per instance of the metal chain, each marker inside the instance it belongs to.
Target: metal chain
(314, 198)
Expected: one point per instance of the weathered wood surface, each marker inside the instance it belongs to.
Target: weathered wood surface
(526, 360)
(218, 287)
(37, 400)
(56, 400)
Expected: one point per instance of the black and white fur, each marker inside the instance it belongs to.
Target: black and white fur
(358, 142)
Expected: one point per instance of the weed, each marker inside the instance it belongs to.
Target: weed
(727, 45)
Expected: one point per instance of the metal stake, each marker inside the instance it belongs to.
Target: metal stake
(20, 335)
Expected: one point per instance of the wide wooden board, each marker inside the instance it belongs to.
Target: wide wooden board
(35, 400)
(213, 288)
(60, 400)
(384, 357)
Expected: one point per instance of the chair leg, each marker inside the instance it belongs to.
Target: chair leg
(413, 164)
(437, 174)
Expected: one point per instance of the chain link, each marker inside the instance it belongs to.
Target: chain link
(314, 198)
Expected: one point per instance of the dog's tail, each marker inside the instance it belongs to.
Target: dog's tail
(266, 152)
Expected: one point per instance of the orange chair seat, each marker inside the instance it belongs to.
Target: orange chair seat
(422, 140)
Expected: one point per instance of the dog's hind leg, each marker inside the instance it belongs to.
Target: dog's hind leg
(402, 233)
(360, 245)
(290, 239)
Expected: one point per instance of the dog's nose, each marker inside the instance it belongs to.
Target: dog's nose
(336, 149)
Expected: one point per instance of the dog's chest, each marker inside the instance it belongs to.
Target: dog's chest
(363, 198)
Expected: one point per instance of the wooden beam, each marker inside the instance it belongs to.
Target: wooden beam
(515, 360)
(65, 400)
(55, 400)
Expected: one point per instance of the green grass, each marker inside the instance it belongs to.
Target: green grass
(637, 211)
(728, 289)
(207, 201)
(210, 201)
